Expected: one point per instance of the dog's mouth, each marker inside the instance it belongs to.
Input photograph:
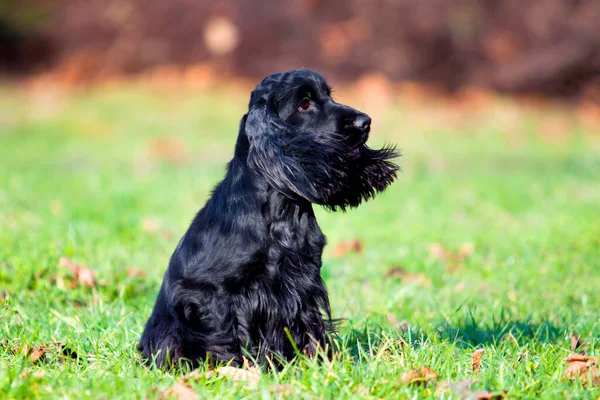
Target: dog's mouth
(355, 149)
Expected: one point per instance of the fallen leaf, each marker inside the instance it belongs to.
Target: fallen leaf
(179, 391)
(399, 272)
(438, 251)
(250, 376)
(134, 272)
(26, 373)
(36, 354)
(82, 274)
(418, 279)
(466, 250)
(451, 260)
(485, 395)
(476, 359)
(421, 376)
(351, 246)
(395, 272)
(40, 373)
(581, 367)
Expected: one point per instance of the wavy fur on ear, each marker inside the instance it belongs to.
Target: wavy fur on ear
(244, 281)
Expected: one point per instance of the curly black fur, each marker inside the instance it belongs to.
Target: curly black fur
(245, 278)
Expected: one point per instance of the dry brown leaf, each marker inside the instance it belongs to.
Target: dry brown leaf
(451, 260)
(581, 367)
(196, 374)
(82, 274)
(476, 359)
(179, 391)
(466, 250)
(40, 373)
(395, 272)
(135, 272)
(399, 272)
(250, 376)
(438, 251)
(351, 246)
(420, 376)
(485, 395)
(36, 354)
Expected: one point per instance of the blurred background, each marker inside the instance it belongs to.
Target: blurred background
(117, 118)
(550, 47)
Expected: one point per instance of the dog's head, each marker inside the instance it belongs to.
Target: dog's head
(307, 146)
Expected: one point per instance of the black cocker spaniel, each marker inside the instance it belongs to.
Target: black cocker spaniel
(244, 281)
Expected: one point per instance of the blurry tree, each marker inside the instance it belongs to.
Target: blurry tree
(23, 45)
(549, 46)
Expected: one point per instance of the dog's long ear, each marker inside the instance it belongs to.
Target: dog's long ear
(274, 149)
(243, 144)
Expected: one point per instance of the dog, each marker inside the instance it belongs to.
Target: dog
(244, 281)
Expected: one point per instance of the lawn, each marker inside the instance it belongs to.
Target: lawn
(489, 238)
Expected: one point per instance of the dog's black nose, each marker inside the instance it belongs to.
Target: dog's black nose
(363, 122)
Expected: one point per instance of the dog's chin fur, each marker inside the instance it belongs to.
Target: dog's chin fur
(327, 174)
(244, 281)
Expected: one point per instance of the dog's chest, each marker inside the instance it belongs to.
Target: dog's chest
(295, 242)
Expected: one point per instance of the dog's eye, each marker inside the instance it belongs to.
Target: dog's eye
(304, 104)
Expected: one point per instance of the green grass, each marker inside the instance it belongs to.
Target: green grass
(78, 179)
